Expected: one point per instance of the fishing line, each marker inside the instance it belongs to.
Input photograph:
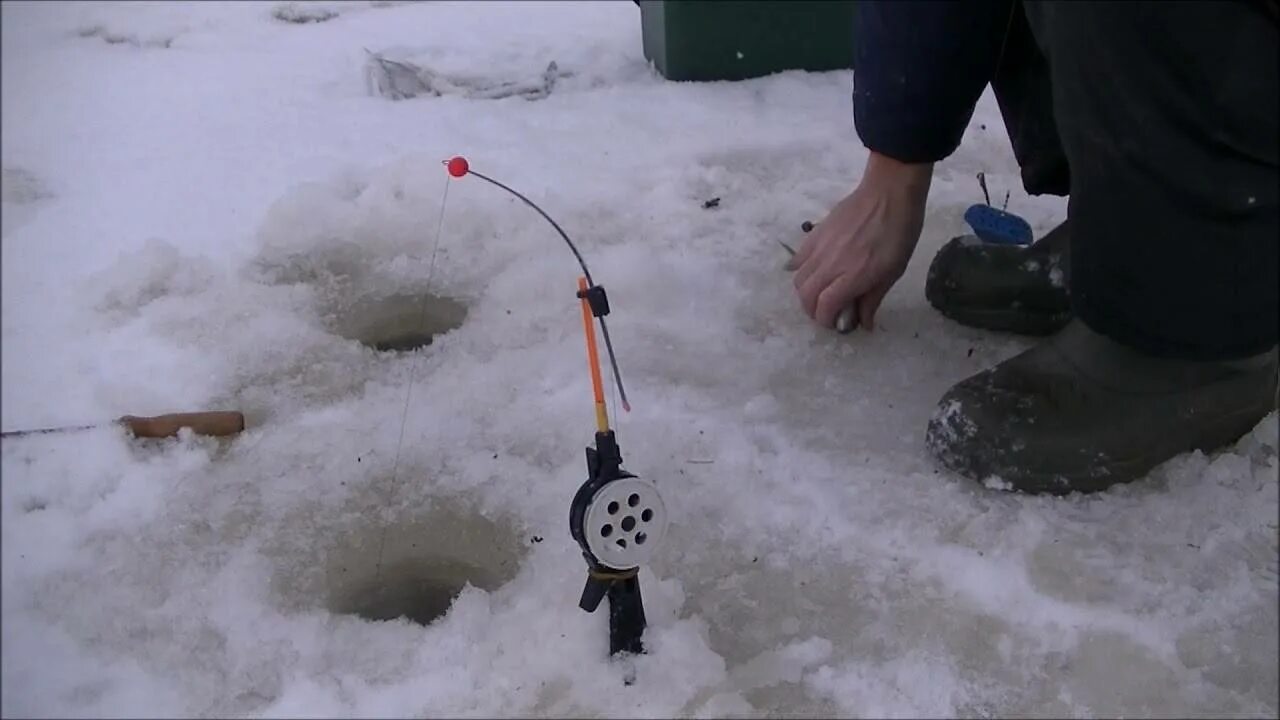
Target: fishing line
(404, 414)
(617, 420)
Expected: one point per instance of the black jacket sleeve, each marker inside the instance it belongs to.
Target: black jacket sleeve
(919, 69)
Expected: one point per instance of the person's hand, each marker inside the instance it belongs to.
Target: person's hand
(856, 254)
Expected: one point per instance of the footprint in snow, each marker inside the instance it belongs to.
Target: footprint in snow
(307, 13)
(21, 187)
(22, 193)
(112, 37)
(303, 13)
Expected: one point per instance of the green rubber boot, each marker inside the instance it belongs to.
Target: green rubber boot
(1002, 287)
(1082, 413)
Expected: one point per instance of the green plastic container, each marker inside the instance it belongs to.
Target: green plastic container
(706, 40)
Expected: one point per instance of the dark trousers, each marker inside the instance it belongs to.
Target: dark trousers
(1159, 120)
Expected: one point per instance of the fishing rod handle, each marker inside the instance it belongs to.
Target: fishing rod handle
(214, 423)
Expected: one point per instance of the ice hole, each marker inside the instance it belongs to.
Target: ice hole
(398, 323)
(420, 591)
(412, 568)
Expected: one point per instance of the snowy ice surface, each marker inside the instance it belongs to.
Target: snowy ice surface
(199, 192)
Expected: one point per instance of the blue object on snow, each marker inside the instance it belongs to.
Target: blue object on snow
(997, 226)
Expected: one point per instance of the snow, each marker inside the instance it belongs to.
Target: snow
(200, 198)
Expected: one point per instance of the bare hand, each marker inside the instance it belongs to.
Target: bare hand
(856, 254)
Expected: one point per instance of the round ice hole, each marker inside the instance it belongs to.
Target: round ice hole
(418, 592)
(613, 508)
(640, 538)
(412, 569)
(628, 523)
(633, 500)
(647, 515)
(398, 323)
(606, 531)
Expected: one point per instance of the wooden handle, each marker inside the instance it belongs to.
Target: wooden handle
(216, 424)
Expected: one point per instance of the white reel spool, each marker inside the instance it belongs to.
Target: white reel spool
(624, 523)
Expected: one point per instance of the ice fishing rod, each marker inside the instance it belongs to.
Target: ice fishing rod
(617, 518)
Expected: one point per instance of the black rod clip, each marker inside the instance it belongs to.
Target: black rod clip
(596, 299)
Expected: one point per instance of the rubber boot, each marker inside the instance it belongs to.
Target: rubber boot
(1003, 287)
(1081, 413)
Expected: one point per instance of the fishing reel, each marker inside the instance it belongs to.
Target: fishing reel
(618, 520)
